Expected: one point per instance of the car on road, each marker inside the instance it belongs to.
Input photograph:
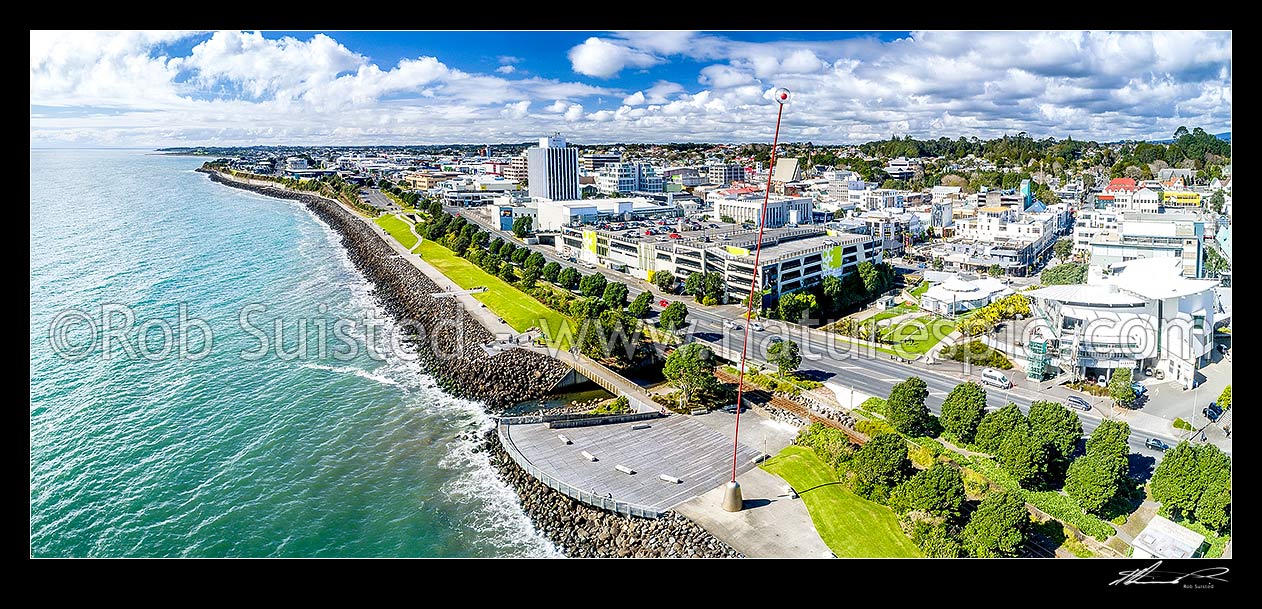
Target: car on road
(755, 326)
(920, 266)
(1156, 444)
(1078, 403)
(663, 303)
(775, 339)
(588, 265)
(1212, 412)
(731, 325)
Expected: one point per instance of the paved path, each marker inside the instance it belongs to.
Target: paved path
(772, 525)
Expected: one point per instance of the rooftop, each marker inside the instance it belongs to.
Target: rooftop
(1163, 538)
(1087, 295)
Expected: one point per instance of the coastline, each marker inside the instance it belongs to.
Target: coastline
(500, 381)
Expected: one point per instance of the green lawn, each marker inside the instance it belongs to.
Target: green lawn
(519, 309)
(399, 229)
(925, 332)
(919, 290)
(901, 309)
(852, 526)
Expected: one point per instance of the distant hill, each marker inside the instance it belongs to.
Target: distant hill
(1224, 136)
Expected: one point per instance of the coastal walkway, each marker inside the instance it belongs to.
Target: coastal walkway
(676, 446)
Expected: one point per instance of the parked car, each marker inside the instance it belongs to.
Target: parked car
(1156, 444)
(1212, 412)
(663, 303)
(1139, 388)
(1103, 382)
(1078, 403)
(920, 266)
(990, 376)
(675, 236)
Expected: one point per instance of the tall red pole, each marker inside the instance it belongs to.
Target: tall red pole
(781, 96)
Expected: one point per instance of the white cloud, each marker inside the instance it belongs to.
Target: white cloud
(509, 59)
(122, 88)
(516, 111)
(506, 69)
(603, 59)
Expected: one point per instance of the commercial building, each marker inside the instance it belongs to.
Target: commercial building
(1093, 225)
(1150, 235)
(791, 258)
(553, 169)
(518, 168)
(628, 177)
(1180, 199)
(901, 168)
(1133, 314)
(295, 163)
(957, 294)
(555, 215)
(593, 162)
(425, 180)
(744, 206)
(723, 174)
(469, 191)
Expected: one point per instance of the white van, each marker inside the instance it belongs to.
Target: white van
(990, 376)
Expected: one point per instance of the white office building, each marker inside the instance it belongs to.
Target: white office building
(781, 210)
(724, 174)
(1134, 314)
(628, 177)
(1170, 235)
(553, 169)
(554, 215)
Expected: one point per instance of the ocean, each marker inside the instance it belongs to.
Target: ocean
(222, 447)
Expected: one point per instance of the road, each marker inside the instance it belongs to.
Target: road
(375, 198)
(828, 357)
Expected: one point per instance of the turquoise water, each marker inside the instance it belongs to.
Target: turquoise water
(226, 455)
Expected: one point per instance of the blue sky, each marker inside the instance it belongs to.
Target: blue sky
(232, 87)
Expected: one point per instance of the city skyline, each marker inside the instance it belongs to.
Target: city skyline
(154, 89)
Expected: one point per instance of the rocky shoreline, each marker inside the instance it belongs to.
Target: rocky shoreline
(447, 341)
(582, 531)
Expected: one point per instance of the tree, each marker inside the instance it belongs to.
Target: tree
(673, 316)
(1216, 201)
(935, 540)
(1224, 399)
(521, 226)
(997, 527)
(506, 273)
(691, 369)
(713, 288)
(995, 270)
(1063, 249)
(534, 261)
(1022, 455)
(794, 306)
(1120, 388)
(1069, 273)
(905, 409)
(520, 255)
(728, 219)
(963, 410)
(938, 491)
(991, 431)
(1056, 427)
(879, 466)
(664, 280)
(1094, 478)
(529, 277)
(1110, 438)
(568, 278)
(938, 265)
(641, 306)
(695, 285)
(592, 285)
(612, 334)
(615, 294)
(1194, 481)
(871, 278)
(550, 272)
(785, 355)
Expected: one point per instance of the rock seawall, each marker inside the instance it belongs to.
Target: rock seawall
(580, 530)
(447, 341)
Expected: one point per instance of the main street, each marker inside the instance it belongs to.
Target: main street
(829, 357)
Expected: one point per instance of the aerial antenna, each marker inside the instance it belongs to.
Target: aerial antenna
(732, 500)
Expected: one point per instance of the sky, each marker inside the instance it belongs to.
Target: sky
(157, 89)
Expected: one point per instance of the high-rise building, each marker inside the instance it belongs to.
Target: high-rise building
(724, 174)
(628, 177)
(553, 169)
(593, 162)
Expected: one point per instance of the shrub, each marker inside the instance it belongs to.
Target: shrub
(934, 447)
(873, 428)
(1067, 511)
(1089, 388)
(1119, 520)
(977, 353)
(876, 405)
(618, 405)
(1181, 424)
(831, 445)
(920, 456)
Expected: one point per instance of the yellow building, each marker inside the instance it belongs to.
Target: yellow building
(1180, 198)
